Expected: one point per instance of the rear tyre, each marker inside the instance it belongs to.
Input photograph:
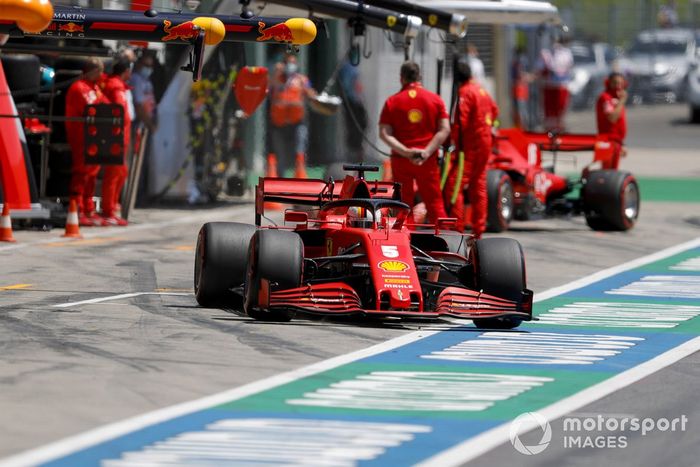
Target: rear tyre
(694, 114)
(276, 257)
(499, 188)
(611, 200)
(220, 261)
(499, 270)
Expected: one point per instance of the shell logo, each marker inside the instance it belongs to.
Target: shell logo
(415, 116)
(393, 266)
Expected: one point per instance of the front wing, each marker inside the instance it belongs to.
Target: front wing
(337, 298)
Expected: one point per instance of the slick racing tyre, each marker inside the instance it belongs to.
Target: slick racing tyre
(499, 189)
(499, 270)
(611, 200)
(275, 262)
(220, 261)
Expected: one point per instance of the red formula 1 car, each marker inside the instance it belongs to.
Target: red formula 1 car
(520, 187)
(354, 253)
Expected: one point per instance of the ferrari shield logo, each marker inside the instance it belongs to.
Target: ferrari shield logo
(329, 247)
(393, 266)
(432, 20)
(412, 93)
(391, 21)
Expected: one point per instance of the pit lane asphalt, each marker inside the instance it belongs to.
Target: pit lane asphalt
(66, 370)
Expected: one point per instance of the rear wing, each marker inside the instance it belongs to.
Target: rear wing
(312, 192)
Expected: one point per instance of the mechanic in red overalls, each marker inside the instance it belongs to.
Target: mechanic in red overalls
(612, 121)
(115, 89)
(414, 123)
(85, 91)
(472, 121)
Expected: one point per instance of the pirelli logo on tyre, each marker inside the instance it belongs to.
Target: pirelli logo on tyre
(393, 266)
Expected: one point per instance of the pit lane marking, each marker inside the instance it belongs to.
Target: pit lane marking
(15, 286)
(488, 440)
(275, 440)
(662, 287)
(618, 315)
(457, 455)
(692, 264)
(536, 348)
(421, 390)
(117, 297)
(83, 242)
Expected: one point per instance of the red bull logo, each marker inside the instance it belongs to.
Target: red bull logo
(279, 32)
(184, 31)
(71, 28)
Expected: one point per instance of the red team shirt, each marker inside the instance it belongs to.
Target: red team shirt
(414, 114)
(614, 131)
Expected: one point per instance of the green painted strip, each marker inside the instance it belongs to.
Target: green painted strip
(680, 190)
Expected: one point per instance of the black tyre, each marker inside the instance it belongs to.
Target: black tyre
(694, 114)
(276, 256)
(611, 200)
(499, 188)
(499, 269)
(220, 261)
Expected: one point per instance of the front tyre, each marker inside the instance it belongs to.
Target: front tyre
(220, 261)
(275, 262)
(611, 200)
(499, 270)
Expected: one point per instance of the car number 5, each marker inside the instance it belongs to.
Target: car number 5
(390, 251)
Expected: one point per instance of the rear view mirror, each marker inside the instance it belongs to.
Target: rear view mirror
(296, 217)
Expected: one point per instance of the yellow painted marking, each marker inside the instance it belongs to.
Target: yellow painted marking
(87, 241)
(181, 247)
(15, 286)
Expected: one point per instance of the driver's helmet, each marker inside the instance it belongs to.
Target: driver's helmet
(361, 217)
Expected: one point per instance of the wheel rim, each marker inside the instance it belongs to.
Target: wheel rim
(505, 199)
(631, 201)
(198, 263)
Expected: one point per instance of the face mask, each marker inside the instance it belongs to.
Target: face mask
(146, 71)
(290, 69)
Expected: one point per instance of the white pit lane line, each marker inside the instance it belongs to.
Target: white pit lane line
(456, 455)
(117, 297)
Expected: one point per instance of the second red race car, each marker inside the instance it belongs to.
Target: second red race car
(520, 187)
(353, 252)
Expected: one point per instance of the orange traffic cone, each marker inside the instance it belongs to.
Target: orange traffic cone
(387, 176)
(72, 227)
(299, 167)
(6, 225)
(272, 172)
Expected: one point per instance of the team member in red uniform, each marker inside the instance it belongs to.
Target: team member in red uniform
(472, 123)
(414, 123)
(612, 121)
(115, 89)
(81, 93)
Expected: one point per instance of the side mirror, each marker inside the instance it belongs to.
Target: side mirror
(296, 217)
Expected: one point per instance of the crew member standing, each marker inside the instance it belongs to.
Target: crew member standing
(472, 122)
(85, 91)
(414, 123)
(288, 131)
(556, 69)
(612, 121)
(115, 89)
